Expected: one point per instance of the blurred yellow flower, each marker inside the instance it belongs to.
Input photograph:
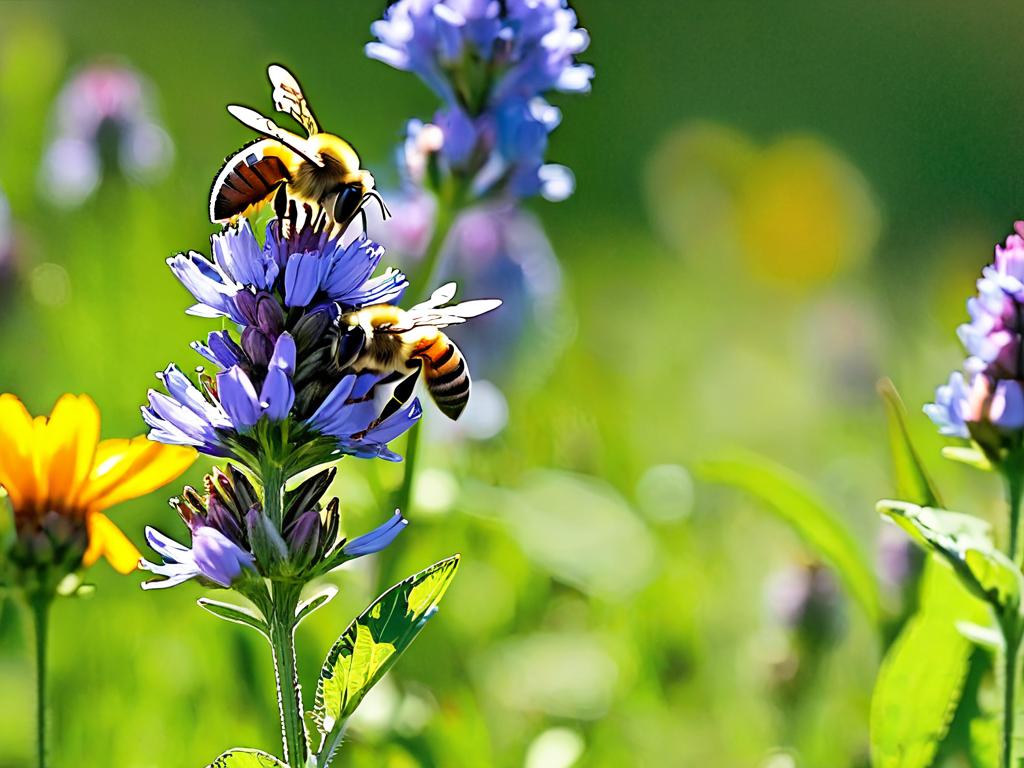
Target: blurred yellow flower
(59, 466)
(805, 213)
(795, 212)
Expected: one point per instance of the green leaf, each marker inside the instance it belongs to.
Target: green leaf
(972, 457)
(912, 480)
(793, 502)
(965, 542)
(922, 676)
(236, 613)
(372, 644)
(246, 758)
(317, 601)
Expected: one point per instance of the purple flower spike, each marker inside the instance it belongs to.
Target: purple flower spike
(989, 407)
(378, 538)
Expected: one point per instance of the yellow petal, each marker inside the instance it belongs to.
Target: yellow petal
(107, 539)
(68, 446)
(17, 472)
(126, 469)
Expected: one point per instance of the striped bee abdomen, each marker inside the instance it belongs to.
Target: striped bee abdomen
(248, 178)
(445, 372)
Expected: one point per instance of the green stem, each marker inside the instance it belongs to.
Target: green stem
(289, 692)
(404, 496)
(1009, 699)
(1013, 472)
(39, 607)
(1014, 490)
(449, 203)
(273, 492)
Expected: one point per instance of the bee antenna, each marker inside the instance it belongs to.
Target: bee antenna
(385, 212)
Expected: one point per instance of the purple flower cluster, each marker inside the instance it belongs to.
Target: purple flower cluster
(491, 62)
(985, 402)
(233, 538)
(285, 296)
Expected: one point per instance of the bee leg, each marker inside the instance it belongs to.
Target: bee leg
(281, 202)
(349, 346)
(401, 393)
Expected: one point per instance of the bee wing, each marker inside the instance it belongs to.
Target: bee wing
(439, 317)
(288, 98)
(268, 127)
(442, 295)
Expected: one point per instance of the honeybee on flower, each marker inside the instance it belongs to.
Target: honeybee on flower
(321, 169)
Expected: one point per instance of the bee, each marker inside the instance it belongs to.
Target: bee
(322, 169)
(386, 339)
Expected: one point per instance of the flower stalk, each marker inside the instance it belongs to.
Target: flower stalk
(39, 609)
(448, 207)
(1010, 674)
(289, 692)
(1013, 472)
(1011, 626)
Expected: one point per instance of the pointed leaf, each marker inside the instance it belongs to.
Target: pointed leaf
(788, 496)
(972, 457)
(372, 644)
(965, 542)
(246, 758)
(236, 613)
(317, 601)
(912, 480)
(922, 676)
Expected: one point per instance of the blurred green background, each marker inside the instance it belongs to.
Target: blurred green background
(774, 207)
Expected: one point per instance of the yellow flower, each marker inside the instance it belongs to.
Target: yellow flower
(59, 465)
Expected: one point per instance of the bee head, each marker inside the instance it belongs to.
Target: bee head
(361, 321)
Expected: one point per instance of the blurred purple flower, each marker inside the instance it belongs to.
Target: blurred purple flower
(529, 46)
(987, 405)
(947, 412)
(103, 122)
(6, 241)
(503, 251)
(806, 599)
(491, 63)
(899, 559)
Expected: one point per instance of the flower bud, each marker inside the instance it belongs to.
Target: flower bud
(267, 545)
(303, 540)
